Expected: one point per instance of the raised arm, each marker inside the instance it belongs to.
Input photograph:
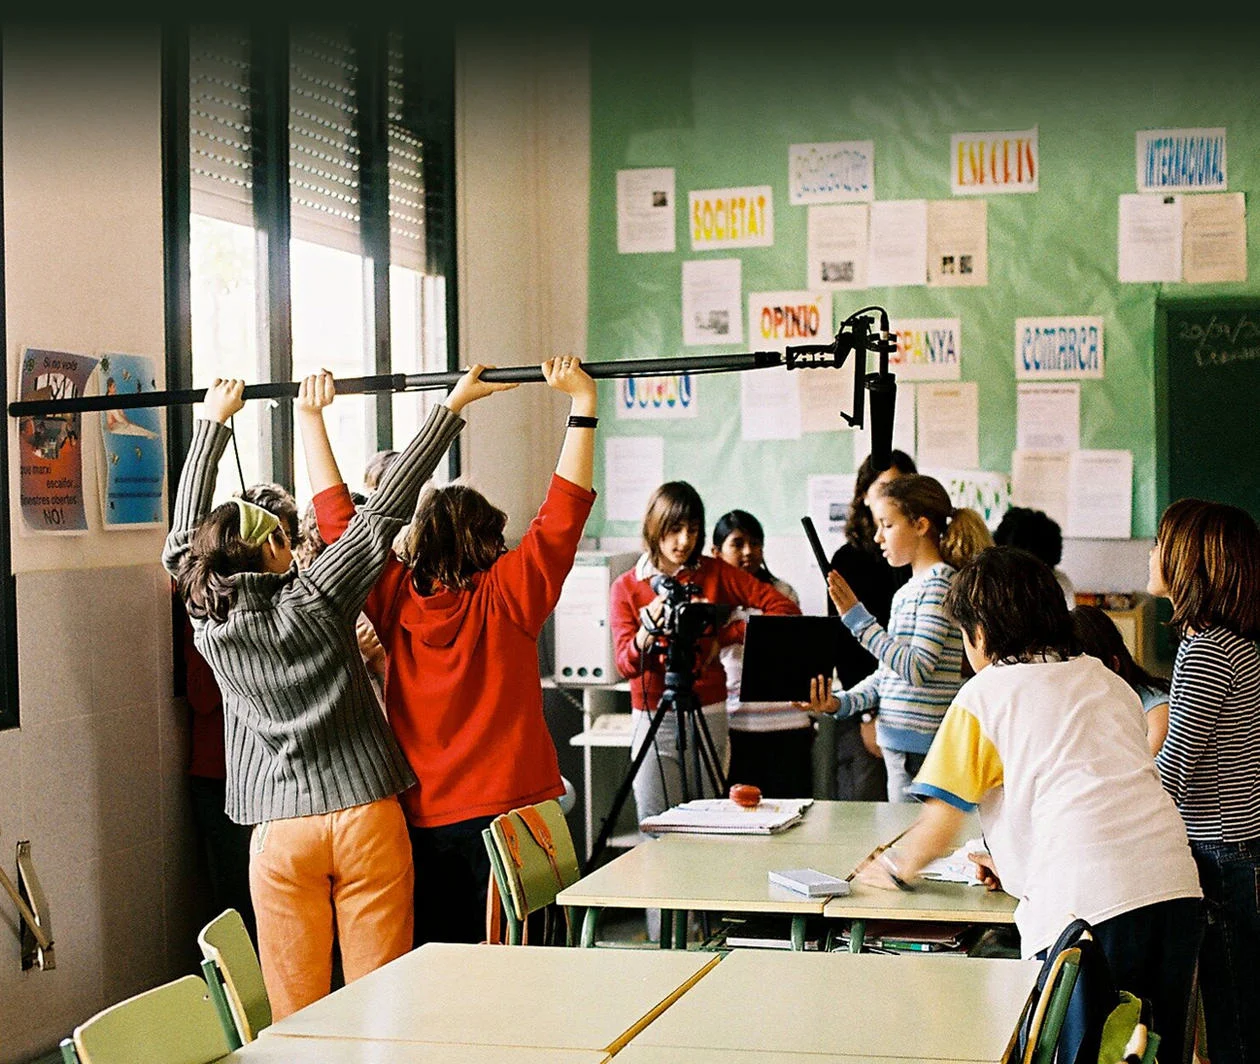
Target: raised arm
(196, 481)
(577, 455)
(314, 393)
(913, 659)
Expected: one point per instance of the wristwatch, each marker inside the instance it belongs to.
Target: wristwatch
(868, 716)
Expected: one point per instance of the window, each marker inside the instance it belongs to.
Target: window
(320, 214)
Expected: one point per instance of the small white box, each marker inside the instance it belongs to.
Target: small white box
(583, 641)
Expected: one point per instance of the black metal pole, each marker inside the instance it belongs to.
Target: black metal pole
(405, 382)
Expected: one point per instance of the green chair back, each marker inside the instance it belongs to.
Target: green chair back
(175, 1023)
(235, 976)
(536, 854)
(1051, 1007)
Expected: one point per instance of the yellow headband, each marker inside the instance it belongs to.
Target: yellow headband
(256, 523)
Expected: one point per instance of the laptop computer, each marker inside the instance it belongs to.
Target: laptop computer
(783, 653)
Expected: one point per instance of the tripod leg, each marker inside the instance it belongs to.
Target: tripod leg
(712, 763)
(623, 789)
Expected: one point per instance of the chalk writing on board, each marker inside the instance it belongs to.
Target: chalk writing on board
(1221, 341)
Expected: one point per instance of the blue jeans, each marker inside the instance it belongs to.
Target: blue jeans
(1150, 952)
(1229, 963)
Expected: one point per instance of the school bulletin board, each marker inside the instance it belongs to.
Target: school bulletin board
(721, 109)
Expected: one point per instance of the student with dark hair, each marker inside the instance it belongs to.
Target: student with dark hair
(860, 773)
(376, 467)
(276, 500)
(920, 656)
(1100, 638)
(1206, 562)
(1048, 745)
(1038, 533)
(459, 616)
(673, 541)
(310, 759)
(771, 742)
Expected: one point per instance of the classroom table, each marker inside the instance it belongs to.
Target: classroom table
(678, 873)
(522, 996)
(916, 1007)
(284, 1049)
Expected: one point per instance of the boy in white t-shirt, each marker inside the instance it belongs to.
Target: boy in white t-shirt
(1050, 746)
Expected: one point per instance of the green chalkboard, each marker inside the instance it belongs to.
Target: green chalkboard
(1209, 391)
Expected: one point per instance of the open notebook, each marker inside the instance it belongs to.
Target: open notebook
(721, 816)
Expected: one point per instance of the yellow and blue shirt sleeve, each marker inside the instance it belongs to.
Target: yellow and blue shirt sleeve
(962, 765)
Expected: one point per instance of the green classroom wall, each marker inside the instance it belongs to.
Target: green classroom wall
(722, 110)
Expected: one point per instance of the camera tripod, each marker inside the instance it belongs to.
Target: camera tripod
(695, 742)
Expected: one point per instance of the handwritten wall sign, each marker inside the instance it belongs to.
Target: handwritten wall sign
(1181, 160)
(984, 163)
(1221, 340)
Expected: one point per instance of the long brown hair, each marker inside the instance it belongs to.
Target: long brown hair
(960, 533)
(216, 553)
(675, 504)
(455, 534)
(1209, 553)
(859, 530)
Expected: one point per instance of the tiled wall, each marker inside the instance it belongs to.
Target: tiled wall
(94, 778)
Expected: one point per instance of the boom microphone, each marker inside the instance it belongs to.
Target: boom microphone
(883, 400)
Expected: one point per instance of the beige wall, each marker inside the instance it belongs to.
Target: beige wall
(523, 180)
(94, 777)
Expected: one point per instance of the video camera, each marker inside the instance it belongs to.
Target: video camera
(684, 619)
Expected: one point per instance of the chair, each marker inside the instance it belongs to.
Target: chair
(1051, 1007)
(175, 1023)
(234, 977)
(532, 859)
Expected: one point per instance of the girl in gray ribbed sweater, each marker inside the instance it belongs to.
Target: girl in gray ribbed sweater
(310, 758)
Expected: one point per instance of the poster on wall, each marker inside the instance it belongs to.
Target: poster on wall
(50, 448)
(645, 210)
(958, 243)
(1058, 348)
(732, 218)
(984, 163)
(898, 243)
(634, 467)
(985, 491)
(657, 398)
(1181, 160)
(712, 302)
(837, 245)
(133, 458)
(836, 172)
(928, 349)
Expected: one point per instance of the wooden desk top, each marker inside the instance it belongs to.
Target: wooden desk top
(730, 872)
(278, 1049)
(634, 1054)
(916, 1007)
(532, 996)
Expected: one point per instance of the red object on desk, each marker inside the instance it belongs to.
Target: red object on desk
(746, 794)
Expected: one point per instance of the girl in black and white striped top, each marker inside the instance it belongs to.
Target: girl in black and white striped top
(1206, 561)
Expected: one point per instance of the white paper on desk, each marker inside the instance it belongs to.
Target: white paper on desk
(956, 867)
(645, 210)
(721, 816)
(1150, 238)
(948, 425)
(633, 468)
(899, 243)
(1048, 416)
(1100, 495)
(1039, 481)
(1214, 240)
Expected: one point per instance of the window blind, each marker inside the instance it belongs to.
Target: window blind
(406, 174)
(219, 129)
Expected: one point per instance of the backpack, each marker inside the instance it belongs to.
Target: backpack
(1116, 1022)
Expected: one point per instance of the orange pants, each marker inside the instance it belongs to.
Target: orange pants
(346, 874)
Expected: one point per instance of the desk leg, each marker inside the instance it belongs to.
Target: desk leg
(590, 922)
(667, 928)
(680, 928)
(588, 788)
(857, 935)
(798, 932)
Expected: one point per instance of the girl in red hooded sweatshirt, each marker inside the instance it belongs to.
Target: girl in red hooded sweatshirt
(459, 617)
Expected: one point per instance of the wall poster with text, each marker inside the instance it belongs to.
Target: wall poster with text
(133, 457)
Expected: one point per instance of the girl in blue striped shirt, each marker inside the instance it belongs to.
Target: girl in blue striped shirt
(1206, 562)
(920, 653)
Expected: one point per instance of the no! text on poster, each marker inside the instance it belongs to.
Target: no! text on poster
(50, 446)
